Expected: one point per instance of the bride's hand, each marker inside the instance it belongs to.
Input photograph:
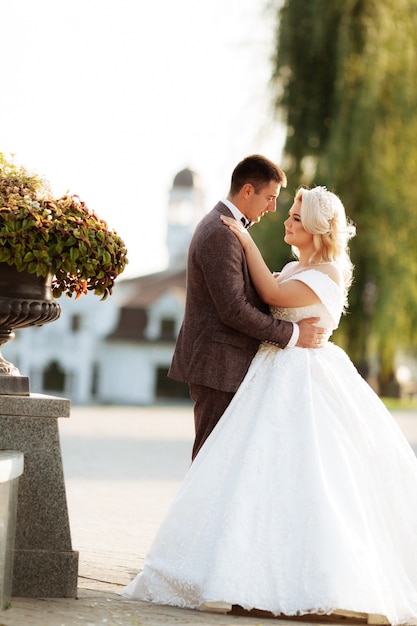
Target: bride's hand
(237, 229)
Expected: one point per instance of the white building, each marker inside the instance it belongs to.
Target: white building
(118, 351)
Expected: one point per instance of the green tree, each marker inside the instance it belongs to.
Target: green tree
(345, 81)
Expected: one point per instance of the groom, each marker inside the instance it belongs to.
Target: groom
(225, 320)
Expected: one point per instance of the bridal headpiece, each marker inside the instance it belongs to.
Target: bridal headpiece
(327, 203)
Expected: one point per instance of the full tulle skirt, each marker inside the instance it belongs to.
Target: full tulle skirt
(303, 500)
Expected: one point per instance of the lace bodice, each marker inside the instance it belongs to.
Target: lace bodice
(300, 313)
(328, 310)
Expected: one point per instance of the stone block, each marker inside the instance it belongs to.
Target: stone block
(44, 563)
(45, 574)
(14, 385)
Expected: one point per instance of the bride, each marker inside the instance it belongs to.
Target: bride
(303, 500)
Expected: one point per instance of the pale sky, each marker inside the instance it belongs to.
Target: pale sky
(109, 99)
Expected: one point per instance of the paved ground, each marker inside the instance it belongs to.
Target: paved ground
(122, 468)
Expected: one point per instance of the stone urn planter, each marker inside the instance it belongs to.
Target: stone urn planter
(25, 300)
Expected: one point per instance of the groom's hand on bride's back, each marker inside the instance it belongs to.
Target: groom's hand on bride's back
(311, 336)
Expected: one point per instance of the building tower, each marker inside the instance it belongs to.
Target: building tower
(185, 209)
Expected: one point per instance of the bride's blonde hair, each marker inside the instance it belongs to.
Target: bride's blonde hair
(323, 215)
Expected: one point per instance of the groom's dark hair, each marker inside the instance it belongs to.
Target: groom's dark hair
(258, 171)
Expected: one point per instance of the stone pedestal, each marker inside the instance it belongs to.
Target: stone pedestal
(44, 563)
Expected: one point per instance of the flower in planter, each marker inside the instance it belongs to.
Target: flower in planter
(41, 234)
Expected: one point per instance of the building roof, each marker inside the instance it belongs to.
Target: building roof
(185, 178)
(144, 290)
(131, 325)
(141, 293)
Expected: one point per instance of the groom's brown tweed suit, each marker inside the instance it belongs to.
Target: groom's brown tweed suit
(224, 322)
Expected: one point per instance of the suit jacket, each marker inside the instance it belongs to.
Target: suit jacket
(224, 320)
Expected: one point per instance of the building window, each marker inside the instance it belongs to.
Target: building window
(167, 328)
(95, 374)
(54, 377)
(76, 323)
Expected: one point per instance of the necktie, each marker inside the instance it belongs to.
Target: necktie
(245, 222)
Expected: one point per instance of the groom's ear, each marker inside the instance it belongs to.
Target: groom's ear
(247, 190)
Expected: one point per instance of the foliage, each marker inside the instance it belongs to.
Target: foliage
(41, 234)
(400, 404)
(345, 78)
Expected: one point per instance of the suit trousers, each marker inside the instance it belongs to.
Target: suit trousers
(209, 406)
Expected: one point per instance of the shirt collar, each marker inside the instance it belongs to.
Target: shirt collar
(236, 213)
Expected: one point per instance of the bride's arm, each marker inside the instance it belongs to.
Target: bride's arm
(290, 294)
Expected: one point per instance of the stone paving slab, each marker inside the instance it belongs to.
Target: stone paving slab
(94, 608)
(122, 468)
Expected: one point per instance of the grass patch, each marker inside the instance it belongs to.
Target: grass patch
(397, 404)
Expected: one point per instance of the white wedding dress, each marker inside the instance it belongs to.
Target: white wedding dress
(302, 500)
